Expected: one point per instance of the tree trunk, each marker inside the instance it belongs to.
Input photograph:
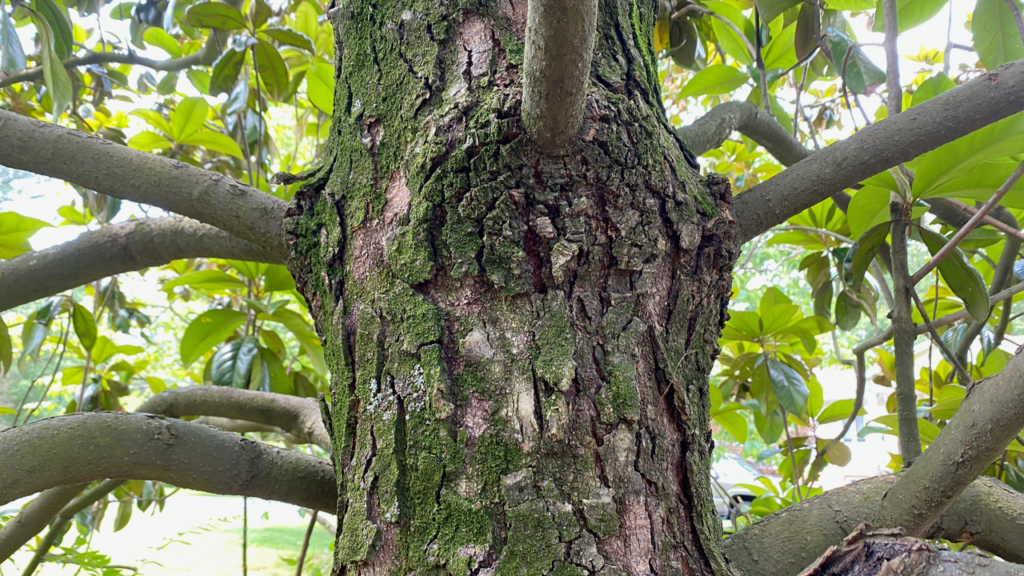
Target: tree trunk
(519, 344)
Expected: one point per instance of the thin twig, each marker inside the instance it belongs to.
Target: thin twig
(961, 372)
(792, 454)
(53, 377)
(305, 543)
(858, 403)
(997, 224)
(967, 228)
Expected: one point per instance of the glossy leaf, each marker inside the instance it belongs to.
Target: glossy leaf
(208, 330)
(226, 70)
(162, 40)
(289, 37)
(863, 252)
(715, 79)
(206, 280)
(149, 141)
(188, 117)
(12, 55)
(789, 387)
(847, 311)
(838, 411)
(769, 427)
(320, 85)
(962, 278)
(233, 363)
(772, 9)
(56, 78)
(154, 119)
(862, 75)
(63, 37)
(931, 88)
(808, 28)
(996, 37)
(214, 141)
(15, 230)
(214, 15)
(960, 157)
(259, 13)
(272, 69)
(734, 424)
(85, 326)
(734, 44)
(309, 341)
(909, 13)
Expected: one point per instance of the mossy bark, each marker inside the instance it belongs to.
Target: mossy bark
(519, 343)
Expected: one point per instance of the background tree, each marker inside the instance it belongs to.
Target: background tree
(517, 275)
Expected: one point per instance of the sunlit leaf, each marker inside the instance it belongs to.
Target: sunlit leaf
(212, 280)
(56, 78)
(214, 15)
(289, 37)
(320, 85)
(838, 411)
(162, 40)
(208, 330)
(149, 141)
(214, 141)
(734, 424)
(715, 79)
(789, 386)
(15, 230)
(6, 348)
(85, 325)
(996, 38)
(272, 69)
(188, 117)
(910, 13)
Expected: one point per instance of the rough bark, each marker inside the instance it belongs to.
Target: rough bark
(63, 450)
(988, 514)
(519, 344)
(133, 245)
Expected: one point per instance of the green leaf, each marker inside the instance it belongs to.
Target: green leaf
(233, 363)
(320, 85)
(6, 349)
(868, 208)
(910, 13)
(769, 427)
(273, 71)
(214, 15)
(226, 70)
(686, 48)
(214, 141)
(860, 255)
(155, 384)
(124, 513)
(779, 52)
(862, 75)
(210, 280)
(730, 41)
(847, 311)
(851, 5)
(200, 79)
(12, 55)
(959, 157)
(838, 411)
(162, 40)
(289, 37)
(823, 300)
(122, 11)
(105, 349)
(772, 9)
(715, 79)
(808, 28)
(963, 279)
(837, 453)
(278, 279)
(149, 141)
(85, 326)
(15, 230)
(931, 88)
(154, 119)
(734, 424)
(996, 38)
(259, 13)
(63, 37)
(309, 341)
(188, 117)
(56, 78)
(207, 330)
(789, 387)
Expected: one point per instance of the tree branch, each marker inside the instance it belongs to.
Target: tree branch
(988, 514)
(63, 450)
(133, 245)
(712, 129)
(298, 416)
(556, 69)
(118, 171)
(883, 145)
(986, 422)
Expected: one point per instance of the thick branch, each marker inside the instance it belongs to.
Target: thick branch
(988, 514)
(118, 171)
(556, 69)
(34, 517)
(988, 420)
(298, 416)
(712, 129)
(116, 249)
(880, 146)
(64, 450)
